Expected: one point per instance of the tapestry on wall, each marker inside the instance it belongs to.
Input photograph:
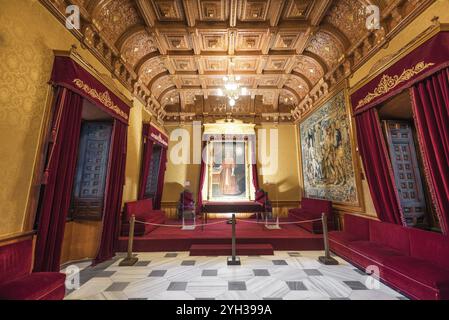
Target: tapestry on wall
(327, 155)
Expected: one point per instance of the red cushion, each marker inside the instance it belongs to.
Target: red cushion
(15, 260)
(420, 270)
(430, 246)
(392, 235)
(356, 226)
(36, 286)
(138, 208)
(374, 251)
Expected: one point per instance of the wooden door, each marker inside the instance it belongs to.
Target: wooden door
(406, 170)
(91, 172)
(153, 174)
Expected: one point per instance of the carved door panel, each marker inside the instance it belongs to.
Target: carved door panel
(406, 170)
(153, 175)
(92, 167)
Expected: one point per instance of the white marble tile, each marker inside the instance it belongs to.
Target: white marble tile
(287, 273)
(208, 288)
(90, 288)
(146, 288)
(327, 287)
(267, 287)
(235, 273)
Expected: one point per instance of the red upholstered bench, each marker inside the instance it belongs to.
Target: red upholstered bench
(312, 209)
(413, 261)
(143, 210)
(18, 283)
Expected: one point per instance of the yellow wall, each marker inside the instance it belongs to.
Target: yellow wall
(28, 36)
(177, 174)
(283, 185)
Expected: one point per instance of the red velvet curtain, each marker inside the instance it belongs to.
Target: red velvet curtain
(146, 163)
(199, 202)
(59, 175)
(114, 192)
(378, 169)
(431, 109)
(160, 181)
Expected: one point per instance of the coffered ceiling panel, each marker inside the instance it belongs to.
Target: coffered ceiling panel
(215, 64)
(254, 10)
(298, 10)
(184, 64)
(214, 41)
(176, 40)
(175, 53)
(252, 40)
(213, 10)
(168, 10)
(245, 64)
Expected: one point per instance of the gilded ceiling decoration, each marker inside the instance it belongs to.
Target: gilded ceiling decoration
(287, 54)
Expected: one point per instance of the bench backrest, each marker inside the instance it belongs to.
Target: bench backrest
(356, 226)
(15, 260)
(140, 208)
(392, 235)
(430, 246)
(317, 205)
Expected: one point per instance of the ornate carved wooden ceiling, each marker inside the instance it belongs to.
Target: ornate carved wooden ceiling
(288, 53)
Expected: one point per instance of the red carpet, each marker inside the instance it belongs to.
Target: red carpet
(290, 237)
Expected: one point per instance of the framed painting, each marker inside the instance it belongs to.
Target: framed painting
(329, 161)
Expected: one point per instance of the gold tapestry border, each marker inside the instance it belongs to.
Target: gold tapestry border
(388, 83)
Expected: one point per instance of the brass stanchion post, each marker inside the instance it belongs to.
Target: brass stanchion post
(130, 260)
(327, 259)
(234, 261)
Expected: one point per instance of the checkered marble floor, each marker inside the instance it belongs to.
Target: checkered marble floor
(177, 276)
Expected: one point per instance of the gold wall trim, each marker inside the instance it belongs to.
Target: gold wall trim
(75, 56)
(103, 97)
(388, 83)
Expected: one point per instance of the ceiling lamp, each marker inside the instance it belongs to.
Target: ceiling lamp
(232, 89)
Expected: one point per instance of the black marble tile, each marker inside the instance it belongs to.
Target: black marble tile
(236, 286)
(117, 286)
(355, 285)
(280, 263)
(261, 273)
(209, 273)
(313, 272)
(177, 286)
(142, 263)
(157, 273)
(296, 286)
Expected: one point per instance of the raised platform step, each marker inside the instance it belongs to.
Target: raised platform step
(256, 249)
